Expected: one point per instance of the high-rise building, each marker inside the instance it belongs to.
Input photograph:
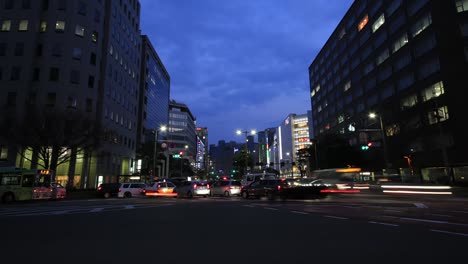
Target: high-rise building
(405, 62)
(72, 66)
(201, 160)
(182, 137)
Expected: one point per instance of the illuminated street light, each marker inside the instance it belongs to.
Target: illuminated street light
(252, 132)
(382, 134)
(156, 134)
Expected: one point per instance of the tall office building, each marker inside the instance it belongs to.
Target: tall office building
(182, 135)
(201, 162)
(65, 63)
(406, 62)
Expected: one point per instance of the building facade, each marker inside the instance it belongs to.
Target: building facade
(72, 62)
(182, 137)
(201, 160)
(406, 62)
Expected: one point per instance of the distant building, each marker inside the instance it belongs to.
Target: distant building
(222, 156)
(406, 61)
(182, 137)
(201, 162)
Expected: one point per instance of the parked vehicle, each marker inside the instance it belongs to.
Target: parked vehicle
(161, 188)
(226, 188)
(131, 189)
(58, 191)
(190, 189)
(108, 190)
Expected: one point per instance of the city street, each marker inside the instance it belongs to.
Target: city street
(364, 228)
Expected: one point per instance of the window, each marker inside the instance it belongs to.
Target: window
(369, 67)
(75, 77)
(438, 115)
(39, 50)
(11, 99)
(372, 100)
(36, 74)
(378, 23)
(15, 73)
(347, 86)
(82, 8)
(45, 5)
(94, 37)
(71, 102)
(62, 5)
(3, 153)
(399, 43)
(97, 16)
(77, 53)
(363, 22)
(405, 81)
(408, 102)
(19, 49)
(402, 61)
(420, 25)
(57, 49)
(23, 25)
(424, 45)
(60, 26)
(393, 7)
(90, 81)
(396, 24)
(380, 39)
(26, 4)
(54, 74)
(89, 105)
(6, 25)
(464, 29)
(43, 26)
(51, 97)
(387, 92)
(382, 57)
(92, 58)
(3, 48)
(433, 91)
(415, 6)
(462, 5)
(8, 4)
(428, 68)
(79, 30)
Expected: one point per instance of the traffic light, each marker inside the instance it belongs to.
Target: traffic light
(370, 144)
(176, 156)
(181, 153)
(364, 147)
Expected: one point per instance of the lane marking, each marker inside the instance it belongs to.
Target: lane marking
(441, 215)
(299, 212)
(424, 220)
(448, 232)
(59, 212)
(381, 223)
(420, 205)
(129, 206)
(96, 210)
(251, 206)
(336, 217)
(463, 212)
(270, 208)
(392, 210)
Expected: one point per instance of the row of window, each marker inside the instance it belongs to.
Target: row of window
(115, 138)
(51, 101)
(61, 5)
(124, 122)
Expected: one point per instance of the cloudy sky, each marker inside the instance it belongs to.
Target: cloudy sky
(240, 64)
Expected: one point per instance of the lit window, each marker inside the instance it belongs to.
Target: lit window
(382, 57)
(409, 102)
(23, 25)
(378, 23)
(433, 91)
(399, 43)
(462, 5)
(77, 53)
(60, 26)
(43, 26)
(421, 24)
(363, 23)
(94, 37)
(438, 115)
(6, 25)
(79, 30)
(347, 86)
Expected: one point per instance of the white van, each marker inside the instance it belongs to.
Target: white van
(252, 177)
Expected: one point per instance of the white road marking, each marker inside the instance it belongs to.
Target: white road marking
(380, 223)
(424, 220)
(59, 212)
(441, 215)
(463, 212)
(299, 212)
(270, 208)
(251, 206)
(392, 210)
(420, 205)
(96, 210)
(447, 232)
(336, 217)
(129, 206)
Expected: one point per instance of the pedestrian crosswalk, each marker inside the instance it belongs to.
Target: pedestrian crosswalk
(75, 209)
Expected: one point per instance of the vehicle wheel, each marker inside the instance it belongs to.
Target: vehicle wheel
(189, 194)
(128, 195)
(227, 194)
(8, 198)
(106, 195)
(245, 195)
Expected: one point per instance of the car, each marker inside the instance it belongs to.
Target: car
(58, 191)
(253, 177)
(190, 189)
(225, 188)
(131, 189)
(108, 190)
(161, 188)
(268, 188)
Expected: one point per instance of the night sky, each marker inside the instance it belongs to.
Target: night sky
(240, 64)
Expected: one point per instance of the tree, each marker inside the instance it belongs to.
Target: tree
(243, 160)
(52, 137)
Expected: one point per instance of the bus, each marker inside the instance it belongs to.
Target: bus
(18, 184)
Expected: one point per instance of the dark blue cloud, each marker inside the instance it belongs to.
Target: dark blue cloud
(240, 64)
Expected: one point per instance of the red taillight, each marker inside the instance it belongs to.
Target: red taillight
(279, 187)
(194, 186)
(159, 185)
(99, 188)
(208, 186)
(120, 189)
(143, 190)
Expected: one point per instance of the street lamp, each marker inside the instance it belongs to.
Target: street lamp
(382, 134)
(156, 134)
(252, 132)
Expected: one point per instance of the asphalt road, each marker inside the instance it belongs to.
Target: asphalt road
(353, 229)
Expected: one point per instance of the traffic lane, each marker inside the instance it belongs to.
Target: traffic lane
(220, 232)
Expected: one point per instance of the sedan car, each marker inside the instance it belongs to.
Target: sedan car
(226, 188)
(190, 189)
(58, 191)
(161, 188)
